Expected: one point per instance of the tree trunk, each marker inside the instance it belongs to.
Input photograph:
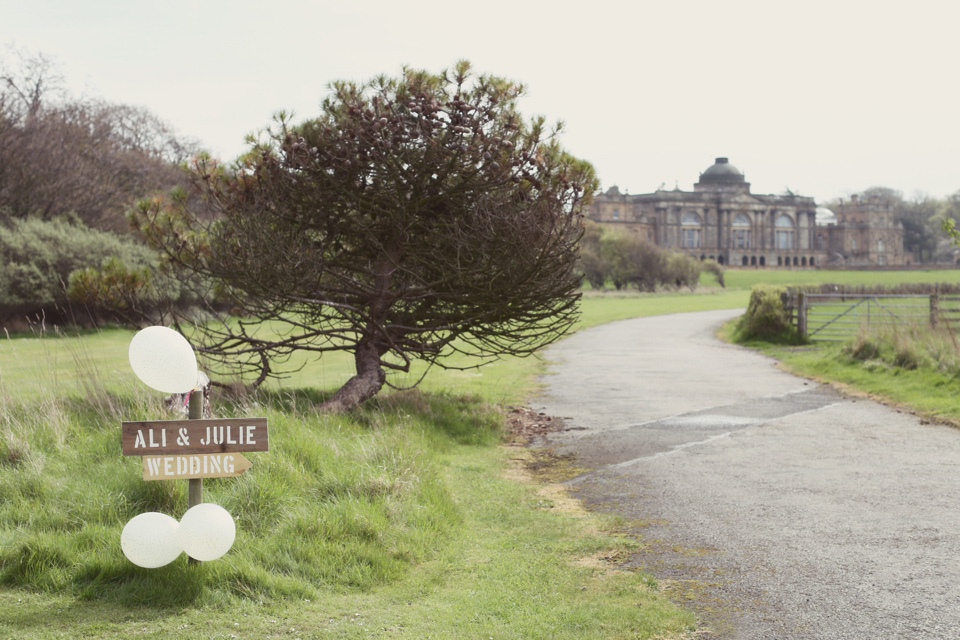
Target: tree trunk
(369, 380)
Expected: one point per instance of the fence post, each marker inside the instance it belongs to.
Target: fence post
(934, 309)
(802, 315)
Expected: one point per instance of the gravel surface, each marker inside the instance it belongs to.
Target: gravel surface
(773, 506)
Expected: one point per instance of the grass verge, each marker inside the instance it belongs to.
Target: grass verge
(912, 368)
(397, 521)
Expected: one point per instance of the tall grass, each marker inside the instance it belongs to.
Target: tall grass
(340, 502)
(909, 365)
(908, 346)
(395, 521)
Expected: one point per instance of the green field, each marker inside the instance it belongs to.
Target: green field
(745, 278)
(31, 367)
(397, 521)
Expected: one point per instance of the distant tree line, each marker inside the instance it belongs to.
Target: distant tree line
(623, 259)
(70, 170)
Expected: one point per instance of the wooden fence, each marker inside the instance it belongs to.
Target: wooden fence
(840, 316)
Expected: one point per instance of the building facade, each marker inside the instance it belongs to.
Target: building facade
(722, 220)
(862, 233)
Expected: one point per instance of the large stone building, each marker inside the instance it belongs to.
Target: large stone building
(861, 233)
(720, 219)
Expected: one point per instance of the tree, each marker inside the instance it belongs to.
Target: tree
(921, 217)
(592, 265)
(948, 219)
(416, 217)
(630, 260)
(88, 158)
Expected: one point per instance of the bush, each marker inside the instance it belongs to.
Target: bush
(593, 268)
(133, 296)
(591, 264)
(627, 259)
(38, 256)
(682, 270)
(766, 317)
(864, 347)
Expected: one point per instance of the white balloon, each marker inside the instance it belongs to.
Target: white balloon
(163, 360)
(150, 540)
(206, 532)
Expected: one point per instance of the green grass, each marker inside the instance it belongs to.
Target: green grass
(914, 368)
(746, 278)
(34, 367)
(510, 570)
(394, 522)
(930, 388)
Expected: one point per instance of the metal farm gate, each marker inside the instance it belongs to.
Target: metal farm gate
(840, 316)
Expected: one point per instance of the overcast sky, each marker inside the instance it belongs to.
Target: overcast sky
(823, 97)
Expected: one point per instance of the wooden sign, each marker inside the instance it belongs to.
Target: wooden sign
(200, 465)
(183, 437)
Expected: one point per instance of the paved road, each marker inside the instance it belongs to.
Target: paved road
(776, 507)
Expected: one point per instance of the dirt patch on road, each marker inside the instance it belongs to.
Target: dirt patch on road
(524, 425)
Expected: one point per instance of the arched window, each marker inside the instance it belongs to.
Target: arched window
(811, 261)
(763, 261)
(803, 261)
(784, 232)
(744, 261)
(753, 261)
(690, 231)
(741, 231)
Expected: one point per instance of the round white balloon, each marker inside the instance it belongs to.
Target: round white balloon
(206, 532)
(163, 360)
(150, 540)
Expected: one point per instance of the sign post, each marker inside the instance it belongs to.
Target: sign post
(195, 448)
(191, 449)
(195, 487)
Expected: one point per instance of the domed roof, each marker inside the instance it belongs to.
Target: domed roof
(825, 217)
(722, 171)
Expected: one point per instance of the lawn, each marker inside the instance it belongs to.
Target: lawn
(35, 367)
(403, 520)
(407, 519)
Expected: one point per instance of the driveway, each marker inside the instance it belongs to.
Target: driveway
(776, 507)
